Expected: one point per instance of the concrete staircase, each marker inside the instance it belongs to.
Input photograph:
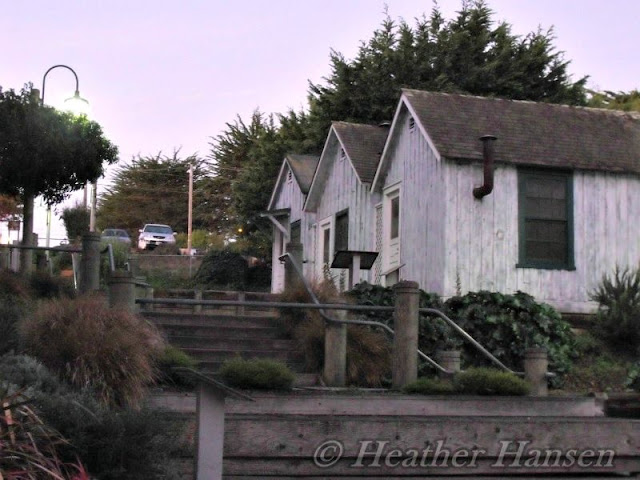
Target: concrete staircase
(212, 338)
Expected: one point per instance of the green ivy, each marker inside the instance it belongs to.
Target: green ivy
(504, 324)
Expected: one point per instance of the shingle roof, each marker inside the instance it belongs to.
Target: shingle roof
(364, 145)
(303, 166)
(530, 133)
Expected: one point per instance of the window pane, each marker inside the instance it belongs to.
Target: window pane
(395, 216)
(295, 232)
(326, 246)
(342, 232)
(545, 223)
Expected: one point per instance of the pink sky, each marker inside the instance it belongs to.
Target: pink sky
(163, 75)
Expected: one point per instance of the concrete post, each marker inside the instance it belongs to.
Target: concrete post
(122, 291)
(405, 341)
(90, 263)
(335, 351)
(449, 359)
(535, 370)
(14, 257)
(210, 411)
(291, 278)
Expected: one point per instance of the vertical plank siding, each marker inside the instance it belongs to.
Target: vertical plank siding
(343, 190)
(422, 203)
(486, 236)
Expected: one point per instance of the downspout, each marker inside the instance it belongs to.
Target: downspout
(487, 155)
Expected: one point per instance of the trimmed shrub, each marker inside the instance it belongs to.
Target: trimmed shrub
(259, 374)
(488, 381)
(170, 358)
(90, 345)
(633, 377)
(259, 277)
(618, 314)
(222, 268)
(76, 221)
(430, 386)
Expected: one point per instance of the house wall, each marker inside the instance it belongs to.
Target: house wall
(342, 190)
(415, 167)
(483, 250)
(290, 196)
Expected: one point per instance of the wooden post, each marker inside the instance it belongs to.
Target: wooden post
(90, 263)
(210, 414)
(354, 271)
(535, 370)
(240, 310)
(197, 296)
(335, 352)
(405, 341)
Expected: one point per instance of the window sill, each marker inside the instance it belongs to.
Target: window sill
(542, 266)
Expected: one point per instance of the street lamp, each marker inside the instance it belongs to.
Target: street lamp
(78, 106)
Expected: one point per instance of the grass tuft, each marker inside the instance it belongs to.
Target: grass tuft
(489, 381)
(430, 386)
(259, 374)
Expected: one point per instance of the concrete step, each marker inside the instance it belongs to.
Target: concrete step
(244, 344)
(207, 331)
(191, 320)
(221, 354)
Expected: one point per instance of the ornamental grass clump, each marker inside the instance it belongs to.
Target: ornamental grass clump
(368, 350)
(257, 373)
(618, 315)
(90, 345)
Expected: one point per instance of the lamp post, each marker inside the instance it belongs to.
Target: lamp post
(77, 105)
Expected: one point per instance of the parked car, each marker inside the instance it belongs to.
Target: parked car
(115, 235)
(154, 234)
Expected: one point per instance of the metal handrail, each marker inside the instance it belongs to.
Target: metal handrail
(372, 323)
(431, 311)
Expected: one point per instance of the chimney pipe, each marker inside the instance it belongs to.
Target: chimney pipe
(487, 155)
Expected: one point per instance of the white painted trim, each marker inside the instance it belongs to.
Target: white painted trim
(346, 154)
(310, 203)
(278, 181)
(279, 226)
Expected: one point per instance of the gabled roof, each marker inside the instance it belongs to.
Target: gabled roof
(362, 144)
(303, 168)
(529, 133)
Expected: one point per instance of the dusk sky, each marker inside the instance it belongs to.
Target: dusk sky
(163, 75)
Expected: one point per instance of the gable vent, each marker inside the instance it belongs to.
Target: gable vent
(289, 176)
(343, 154)
(412, 124)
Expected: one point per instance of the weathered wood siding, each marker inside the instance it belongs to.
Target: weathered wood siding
(482, 248)
(290, 196)
(420, 175)
(343, 190)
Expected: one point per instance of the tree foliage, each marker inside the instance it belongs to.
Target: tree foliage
(46, 152)
(153, 189)
(76, 222)
(468, 54)
(627, 101)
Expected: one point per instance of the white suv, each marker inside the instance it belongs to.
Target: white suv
(154, 234)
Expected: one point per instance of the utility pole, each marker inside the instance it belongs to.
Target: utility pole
(190, 217)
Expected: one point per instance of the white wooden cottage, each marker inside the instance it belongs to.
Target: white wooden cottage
(286, 214)
(563, 209)
(340, 196)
